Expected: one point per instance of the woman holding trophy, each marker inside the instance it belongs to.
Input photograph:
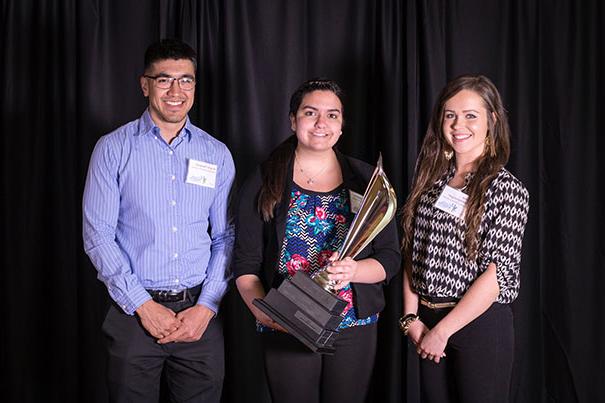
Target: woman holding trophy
(293, 215)
(463, 229)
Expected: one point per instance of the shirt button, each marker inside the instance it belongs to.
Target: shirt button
(173, 202)
(176, 281)
(173, 177)
(174, 229)
(175, 255)
(170, 152)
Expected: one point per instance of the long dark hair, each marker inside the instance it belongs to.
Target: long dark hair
(274, 170)
(432, 162)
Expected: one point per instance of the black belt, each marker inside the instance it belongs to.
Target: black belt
(174, 295)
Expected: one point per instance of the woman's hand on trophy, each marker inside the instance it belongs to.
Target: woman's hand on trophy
(342, 271)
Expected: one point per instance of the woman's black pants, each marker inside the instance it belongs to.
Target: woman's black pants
(296, 374)
(478, 363)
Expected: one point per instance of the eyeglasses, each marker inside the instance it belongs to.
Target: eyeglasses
(164, 82)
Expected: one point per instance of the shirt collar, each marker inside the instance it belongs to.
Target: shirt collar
(146, 126)
(188, 129)
(449, 174)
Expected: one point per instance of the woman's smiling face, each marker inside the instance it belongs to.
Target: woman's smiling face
(318, 121)
(465, 124)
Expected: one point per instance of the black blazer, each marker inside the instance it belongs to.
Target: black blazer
(258, 243)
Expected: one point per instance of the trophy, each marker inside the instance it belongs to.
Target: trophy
(308, 307)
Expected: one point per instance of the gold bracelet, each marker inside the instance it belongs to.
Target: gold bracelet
(406, 321)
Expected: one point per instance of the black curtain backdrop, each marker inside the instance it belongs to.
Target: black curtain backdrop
(69, 74)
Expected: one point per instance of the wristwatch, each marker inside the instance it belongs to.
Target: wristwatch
(405, 321)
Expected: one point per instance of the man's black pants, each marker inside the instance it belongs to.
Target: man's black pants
(193, 371)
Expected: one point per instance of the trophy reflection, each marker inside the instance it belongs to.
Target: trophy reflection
(307, 306)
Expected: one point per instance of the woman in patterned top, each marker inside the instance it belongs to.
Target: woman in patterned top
(463, 223)
(293, 214)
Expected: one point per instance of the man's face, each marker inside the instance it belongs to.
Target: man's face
(170, 105)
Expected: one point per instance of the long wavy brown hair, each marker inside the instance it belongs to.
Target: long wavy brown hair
(432, 163)
(274, 169)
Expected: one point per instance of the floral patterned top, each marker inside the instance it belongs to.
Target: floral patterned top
(316, 226)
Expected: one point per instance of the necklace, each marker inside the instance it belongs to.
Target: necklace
(310, 179)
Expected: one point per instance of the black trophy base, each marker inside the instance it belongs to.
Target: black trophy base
(306, 311)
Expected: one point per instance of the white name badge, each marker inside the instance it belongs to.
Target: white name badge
(201, 173)
(355, 199)
(452, 201)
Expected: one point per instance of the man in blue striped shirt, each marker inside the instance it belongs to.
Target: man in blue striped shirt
(157, 229)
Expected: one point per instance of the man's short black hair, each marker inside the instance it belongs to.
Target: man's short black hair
(169, 48)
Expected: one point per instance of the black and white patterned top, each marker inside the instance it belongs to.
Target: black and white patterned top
(439, 264)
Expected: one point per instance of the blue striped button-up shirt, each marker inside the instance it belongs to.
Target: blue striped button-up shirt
(145, 227)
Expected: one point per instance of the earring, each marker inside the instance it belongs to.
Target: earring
(448, 154)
